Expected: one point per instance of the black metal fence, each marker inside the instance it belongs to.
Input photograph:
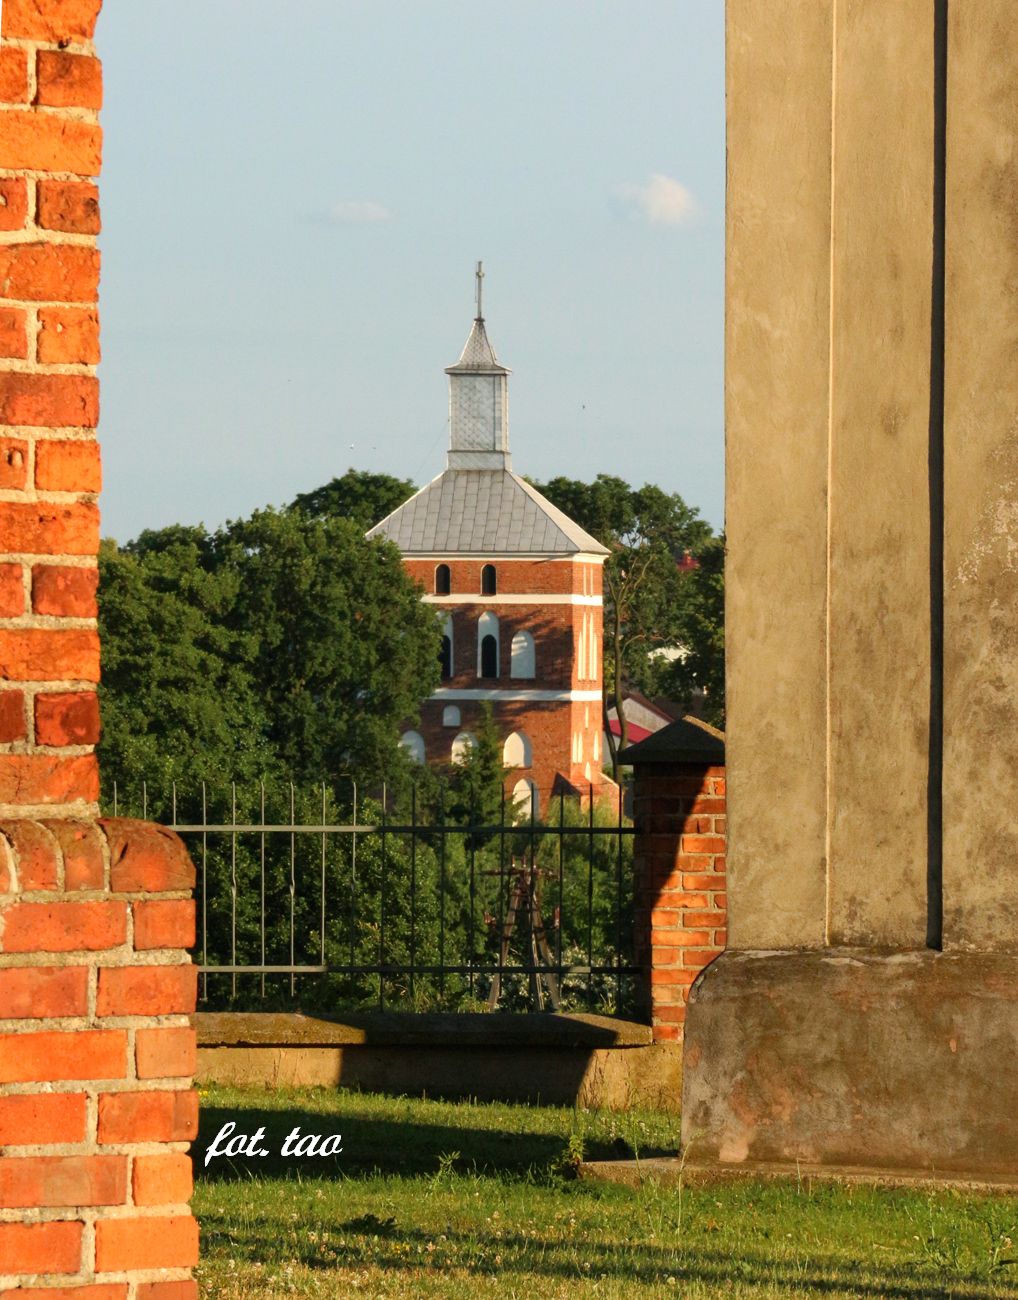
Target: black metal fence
(333, 899)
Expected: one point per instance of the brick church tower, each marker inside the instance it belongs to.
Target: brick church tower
(519, 586)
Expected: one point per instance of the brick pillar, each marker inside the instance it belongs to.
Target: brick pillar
(96, 1058)
(50, 92)
(679, 865)
(96, 985)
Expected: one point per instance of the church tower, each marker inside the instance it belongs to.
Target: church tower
(518, 585)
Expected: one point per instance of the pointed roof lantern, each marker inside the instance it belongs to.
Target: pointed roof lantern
(477, 505)
(478, 401)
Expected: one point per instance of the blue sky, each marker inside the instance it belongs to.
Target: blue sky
(294, 197)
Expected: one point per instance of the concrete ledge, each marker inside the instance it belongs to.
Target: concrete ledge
(591, 1061)
(840, 1058)
(670, 1170)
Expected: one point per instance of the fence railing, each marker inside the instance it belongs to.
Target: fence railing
(334, 899)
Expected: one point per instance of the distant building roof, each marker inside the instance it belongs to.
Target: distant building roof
(477, 505)
(483, 512)
(687, 740)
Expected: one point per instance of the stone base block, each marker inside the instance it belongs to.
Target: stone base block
(840, 1057)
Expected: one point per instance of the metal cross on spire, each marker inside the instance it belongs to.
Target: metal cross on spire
(480, 277)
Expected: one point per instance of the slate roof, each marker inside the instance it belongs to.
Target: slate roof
(687, 740)
(478, 356)
(483, 512)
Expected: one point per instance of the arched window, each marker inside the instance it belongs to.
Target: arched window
(445, 656)
(487, 645)
(489, 584)
(450, 716)
(443, 580)
(524, 801)
(521, 663)
(413, 743)
(516, 750)
(462, 745)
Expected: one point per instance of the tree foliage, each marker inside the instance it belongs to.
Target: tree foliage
(358, 495)
(649, 593)
(281, 645)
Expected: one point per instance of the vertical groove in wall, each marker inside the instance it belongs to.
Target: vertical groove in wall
(829, 811)
(935, 796)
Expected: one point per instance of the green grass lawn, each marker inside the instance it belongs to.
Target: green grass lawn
(465, 1200)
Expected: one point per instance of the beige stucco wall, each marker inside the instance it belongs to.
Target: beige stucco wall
(830, 231)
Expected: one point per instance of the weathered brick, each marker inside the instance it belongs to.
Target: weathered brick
(13, 202)
(168, 1291)
(54, 1181)
(68, 718)
(69, 335)
(13, 333)
(168, 1115)
(13, 75)
(697, 957)
(166, 1053)
(703, 881)
(145, 858)
(49, 142)
(706, 918)
(40, 1247)
(49, 401)
(48, 778)
(39, 654)
(65, 927)
(67, 591)
(37, 991)
(48, 272)
(41, 1118)
(13, 463)
(72, 206)
(162, 1180)
(703, 844)
(82, 848)
(100, 1291)
(50, 1057)
(63, 465)
(65, 80)
(13, 724)
(44, 20)
(147, 990)
(36, 853)
(680, 938)
(153, 1242)
(164, 923)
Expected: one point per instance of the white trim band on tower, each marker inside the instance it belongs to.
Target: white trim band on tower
(524, 696)
(559, 598)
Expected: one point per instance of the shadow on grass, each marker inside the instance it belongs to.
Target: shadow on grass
(373, 1145)
(368, 1240)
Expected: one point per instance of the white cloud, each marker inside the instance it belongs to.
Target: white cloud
(357, 212)
(664, 201)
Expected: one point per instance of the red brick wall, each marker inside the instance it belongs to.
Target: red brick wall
(96, 1050)
(549, 724)
(680, 883)
(515, 577)
(96, 1057)
(50, 93)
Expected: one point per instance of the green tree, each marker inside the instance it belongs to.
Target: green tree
(648, 532)
(281, 646)
(178, 700)
(701, 668)
(358, 495)
(343, 647)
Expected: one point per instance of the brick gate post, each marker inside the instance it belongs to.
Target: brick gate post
(680, 899)
(96, 985)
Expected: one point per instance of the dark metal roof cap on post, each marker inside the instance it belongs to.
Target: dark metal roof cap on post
(687, 740)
